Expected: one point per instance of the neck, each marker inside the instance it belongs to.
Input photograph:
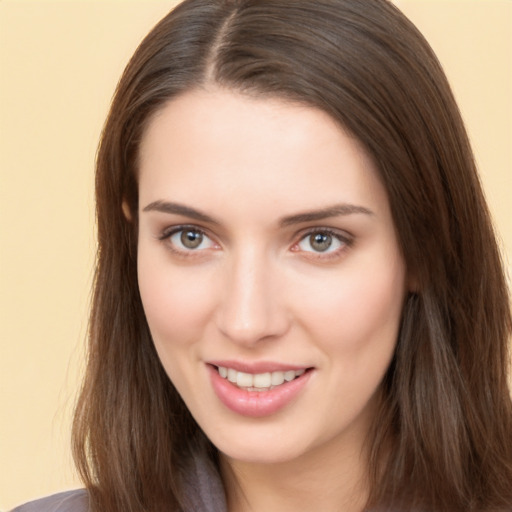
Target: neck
(331, 480)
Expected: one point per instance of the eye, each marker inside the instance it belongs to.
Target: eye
(323, 241)
(188, 239)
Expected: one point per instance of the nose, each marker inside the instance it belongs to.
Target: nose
(252, 308)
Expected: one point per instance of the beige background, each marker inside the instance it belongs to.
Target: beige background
(59, 63)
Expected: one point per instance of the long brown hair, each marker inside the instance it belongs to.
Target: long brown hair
(443, 438)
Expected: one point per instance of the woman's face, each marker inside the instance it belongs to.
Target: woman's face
(269, 271)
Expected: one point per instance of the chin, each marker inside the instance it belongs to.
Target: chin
(259, 447)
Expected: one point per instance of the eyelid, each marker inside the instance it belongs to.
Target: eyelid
(167, 233)
(171, 230)
(342, 236)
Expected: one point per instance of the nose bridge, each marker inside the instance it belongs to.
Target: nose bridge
(250, 309)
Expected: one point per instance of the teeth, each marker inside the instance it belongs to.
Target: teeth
(244, 380)
(231, 375)
(262, 380)
(258, 381)
(288, 376)
(276, 378)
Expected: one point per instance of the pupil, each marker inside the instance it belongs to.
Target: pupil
(191, 239)
(320, 241)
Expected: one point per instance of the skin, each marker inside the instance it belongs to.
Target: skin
(258, 289)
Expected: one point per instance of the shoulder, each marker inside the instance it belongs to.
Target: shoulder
(70, 501)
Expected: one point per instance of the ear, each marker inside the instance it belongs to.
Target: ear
(126, 211)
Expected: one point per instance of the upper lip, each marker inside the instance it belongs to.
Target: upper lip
(257, 366)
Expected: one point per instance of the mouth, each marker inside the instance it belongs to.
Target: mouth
(258, 381)
(261, 390)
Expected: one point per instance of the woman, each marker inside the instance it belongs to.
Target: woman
(299, 302)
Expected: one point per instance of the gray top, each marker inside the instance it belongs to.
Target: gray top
(203, 490)
(70, 501)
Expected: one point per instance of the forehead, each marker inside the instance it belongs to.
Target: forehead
(218, 144)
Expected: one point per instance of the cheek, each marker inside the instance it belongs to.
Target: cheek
(359, 313)
(176, 301)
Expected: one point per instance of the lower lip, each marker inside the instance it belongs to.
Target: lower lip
(256, 404)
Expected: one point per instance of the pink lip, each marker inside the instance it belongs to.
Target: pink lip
(257, 367)
(256, 404)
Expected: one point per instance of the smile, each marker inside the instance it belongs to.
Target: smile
(258, 381)
(258, 393)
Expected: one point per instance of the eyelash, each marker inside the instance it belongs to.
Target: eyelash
(344, 239)
(168, 233)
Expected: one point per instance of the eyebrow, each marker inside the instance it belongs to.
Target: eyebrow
(336, 210)
(179, 209)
